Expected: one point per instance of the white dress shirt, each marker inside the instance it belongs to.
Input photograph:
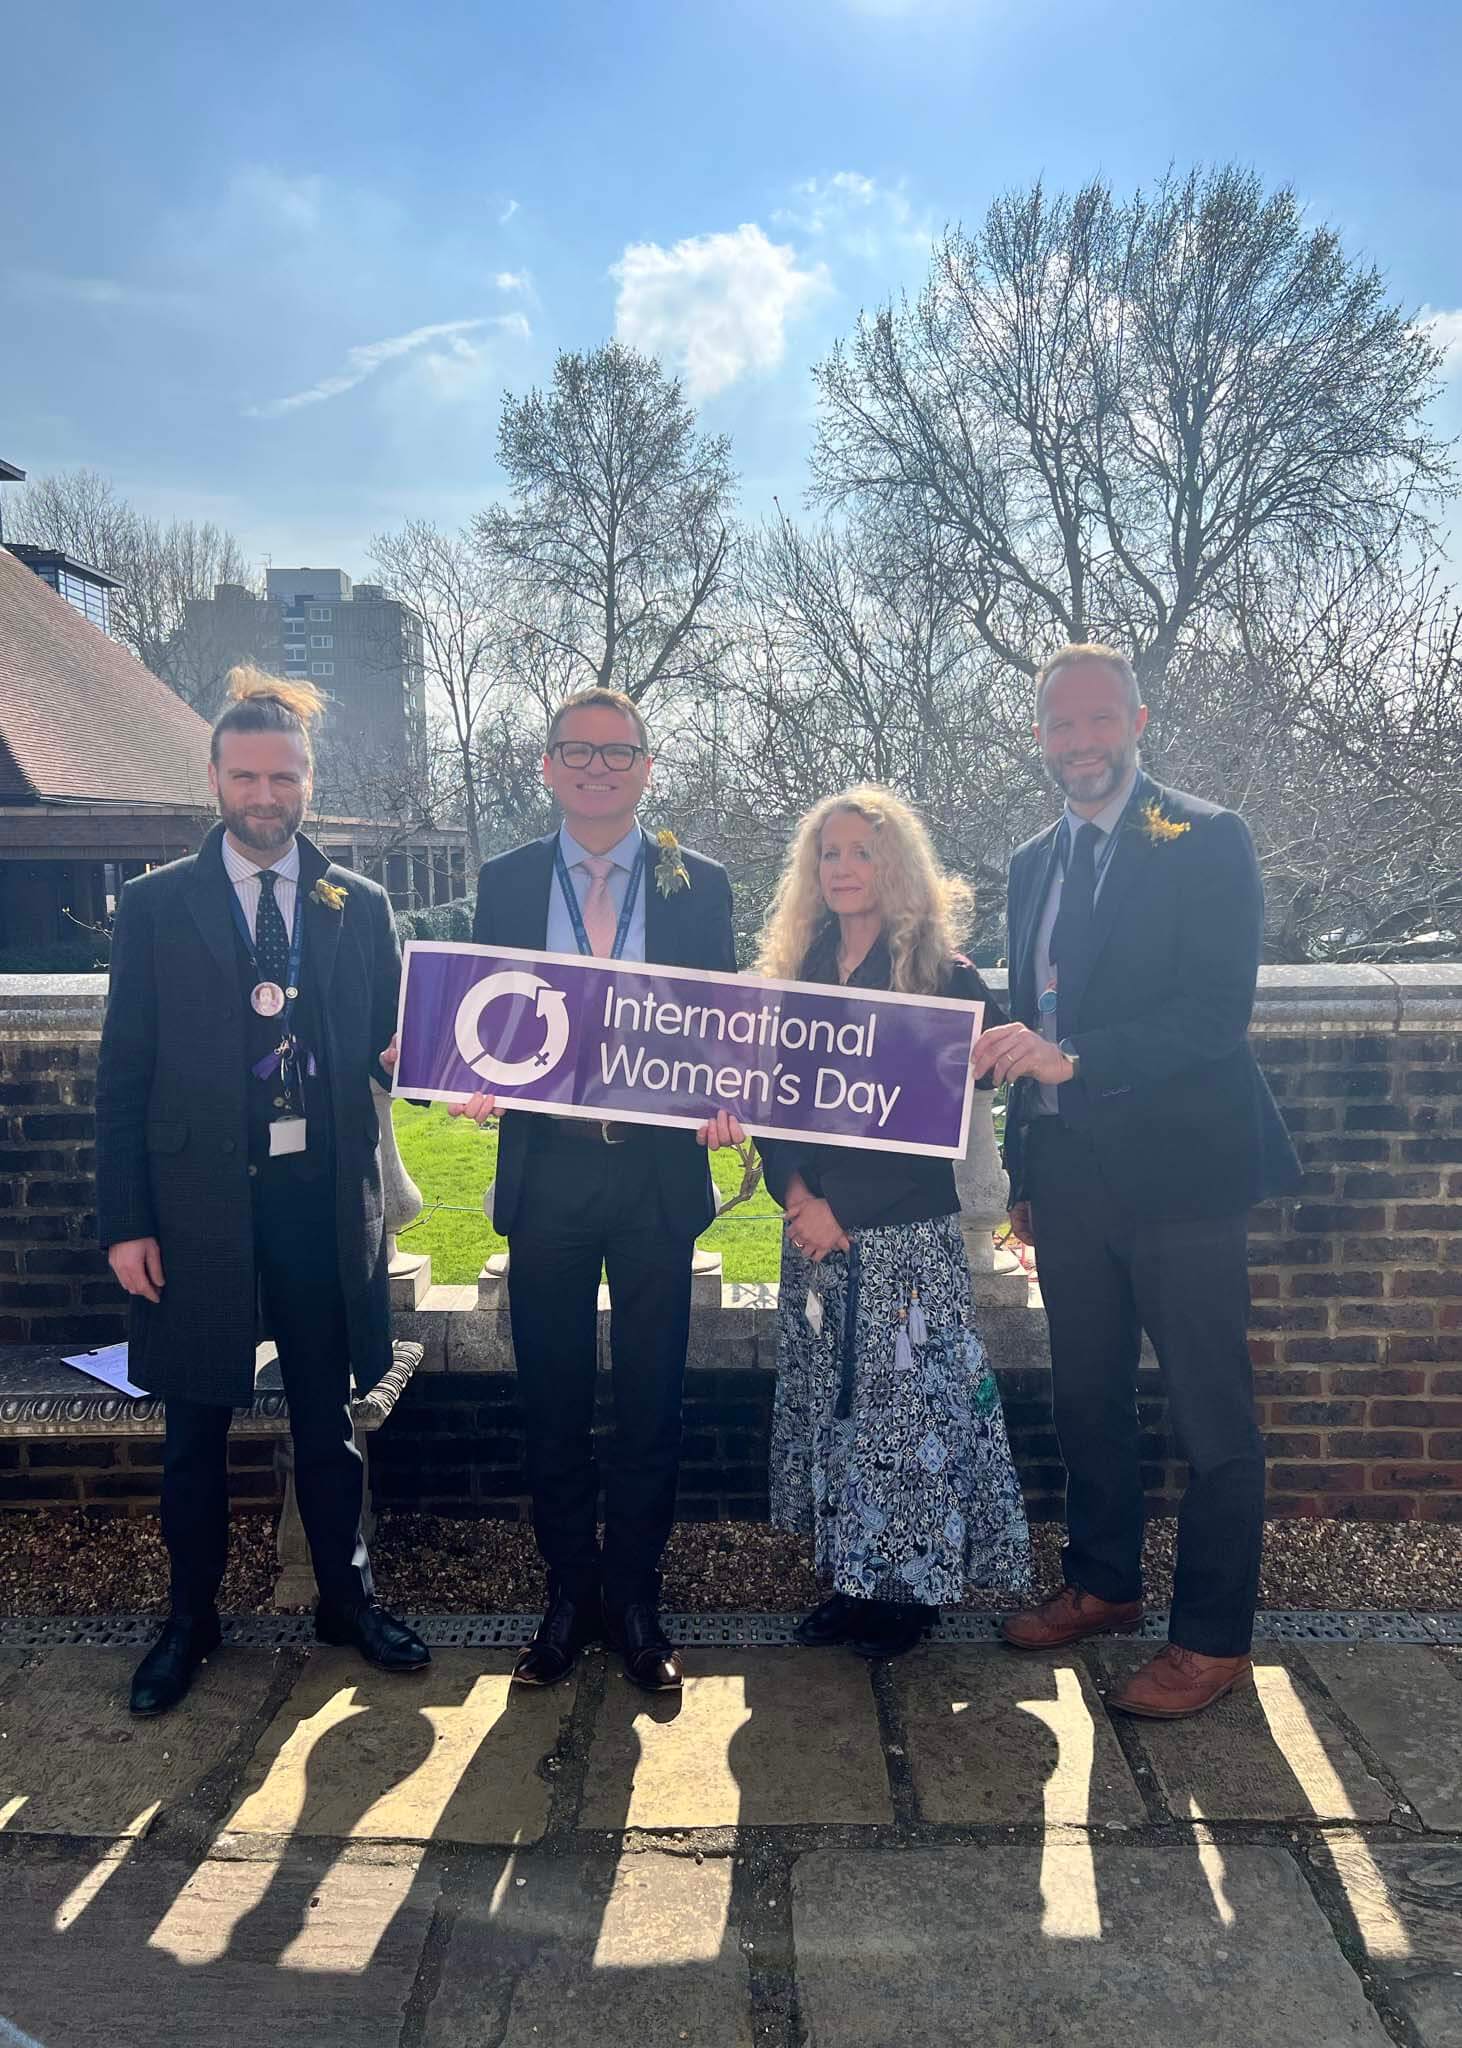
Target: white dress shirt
(244, 874)
(1106, 821)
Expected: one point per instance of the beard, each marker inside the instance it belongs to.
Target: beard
(261, 834)
(1098, 784)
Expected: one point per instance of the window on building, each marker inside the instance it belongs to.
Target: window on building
(321, 614)
(322, 668)
(294, 618)
(322, 639)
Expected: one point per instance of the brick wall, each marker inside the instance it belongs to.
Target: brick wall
(123, 1477)
(55, 1286)
(1356, 1329)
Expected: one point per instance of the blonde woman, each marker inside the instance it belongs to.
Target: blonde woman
(888, 1441)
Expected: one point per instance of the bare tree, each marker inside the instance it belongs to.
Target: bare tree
(1114, 409)
(619, 533)
(160, 568)
(456, 590)
(393, 796)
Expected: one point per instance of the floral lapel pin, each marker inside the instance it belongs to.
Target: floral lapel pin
(1159, 827)
(329, 895)
(671, 873)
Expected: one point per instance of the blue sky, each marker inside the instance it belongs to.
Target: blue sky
(275, 266)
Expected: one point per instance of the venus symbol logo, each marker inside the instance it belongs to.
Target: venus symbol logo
(547, 1001)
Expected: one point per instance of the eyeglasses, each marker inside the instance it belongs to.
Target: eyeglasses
(618, 756)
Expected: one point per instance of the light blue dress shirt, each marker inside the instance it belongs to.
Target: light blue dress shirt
(1106, 821)
(561, 926)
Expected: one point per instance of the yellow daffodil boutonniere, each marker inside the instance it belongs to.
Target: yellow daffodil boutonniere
(671, 873)
(1160, 829)
(328, 894)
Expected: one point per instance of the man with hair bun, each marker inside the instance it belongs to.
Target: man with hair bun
(253, 990)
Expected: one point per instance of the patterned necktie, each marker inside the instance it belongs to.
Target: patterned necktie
(600, 918)
(1072, 931)
(271, 940)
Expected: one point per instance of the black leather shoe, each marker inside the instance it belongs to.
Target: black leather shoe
(166, 1672)
(379, 1636)
(887, 1628)
(837, 1620)
(566, 1630)
(651, 1660)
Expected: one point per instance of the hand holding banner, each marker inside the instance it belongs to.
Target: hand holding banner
(570, 1035)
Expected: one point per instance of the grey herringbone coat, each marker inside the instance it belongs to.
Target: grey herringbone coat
(172, 1150)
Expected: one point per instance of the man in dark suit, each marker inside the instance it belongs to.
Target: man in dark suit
(1140, 1134)
(253, 987)
(572, 1196)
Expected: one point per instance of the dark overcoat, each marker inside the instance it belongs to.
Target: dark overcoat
(1181, 1118)
(690, 927)
(172, 1143)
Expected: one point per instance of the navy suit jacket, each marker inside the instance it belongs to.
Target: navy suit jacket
(1181, 1117)
(691, 928)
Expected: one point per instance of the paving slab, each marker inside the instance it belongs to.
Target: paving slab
(1269, 1751)
(75, 1761)
(296, 1952)
(595, 1953)
(448, 1754)
(1408, 1706)
(996, 1737)
(764, 1737)
(1406, 1902)
(958, 1946)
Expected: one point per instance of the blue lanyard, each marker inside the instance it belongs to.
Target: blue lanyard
(576, 915)
(296, 944)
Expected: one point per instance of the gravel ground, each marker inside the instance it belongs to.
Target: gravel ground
(74, 1564)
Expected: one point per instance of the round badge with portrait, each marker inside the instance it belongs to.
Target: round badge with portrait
(268, 998)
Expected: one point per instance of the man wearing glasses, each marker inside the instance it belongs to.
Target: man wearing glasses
(573, 1196)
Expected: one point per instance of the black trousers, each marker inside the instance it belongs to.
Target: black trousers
(588, 1205)
(1106, 1276)
(294, 1250)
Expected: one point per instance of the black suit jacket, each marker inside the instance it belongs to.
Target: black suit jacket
(691, 928)
(1180, 1115)
(171, 1118)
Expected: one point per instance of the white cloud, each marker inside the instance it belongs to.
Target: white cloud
(868, 220)
(507, 213)
(361, 362)
(1444, 330)
(714, 306)
(511, 280)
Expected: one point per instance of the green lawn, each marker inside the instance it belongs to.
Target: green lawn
(452, 1162)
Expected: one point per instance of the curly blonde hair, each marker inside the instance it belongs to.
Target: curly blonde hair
(925, 911)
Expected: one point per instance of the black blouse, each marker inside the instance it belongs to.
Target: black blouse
(869, 1189)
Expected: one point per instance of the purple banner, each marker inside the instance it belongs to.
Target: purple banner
(619, 1041)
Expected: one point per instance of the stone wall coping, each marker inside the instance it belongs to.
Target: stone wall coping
(1291, 1000)
(40, 1395)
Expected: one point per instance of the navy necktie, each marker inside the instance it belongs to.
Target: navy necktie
(1072, 932)
(271, 940)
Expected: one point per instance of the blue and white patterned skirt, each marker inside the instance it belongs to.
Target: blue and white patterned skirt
(894, 1458)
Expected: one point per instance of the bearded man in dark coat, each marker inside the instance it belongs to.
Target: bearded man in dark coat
(253, 988)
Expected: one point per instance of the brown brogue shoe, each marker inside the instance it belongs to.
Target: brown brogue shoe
(1180, 1682)
(1070, 1616)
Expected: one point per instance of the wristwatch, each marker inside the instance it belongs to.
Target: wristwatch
(1073, 1055)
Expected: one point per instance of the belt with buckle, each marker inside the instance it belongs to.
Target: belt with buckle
(590, 1132)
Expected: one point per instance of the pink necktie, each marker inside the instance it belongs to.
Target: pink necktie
(600, 918)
